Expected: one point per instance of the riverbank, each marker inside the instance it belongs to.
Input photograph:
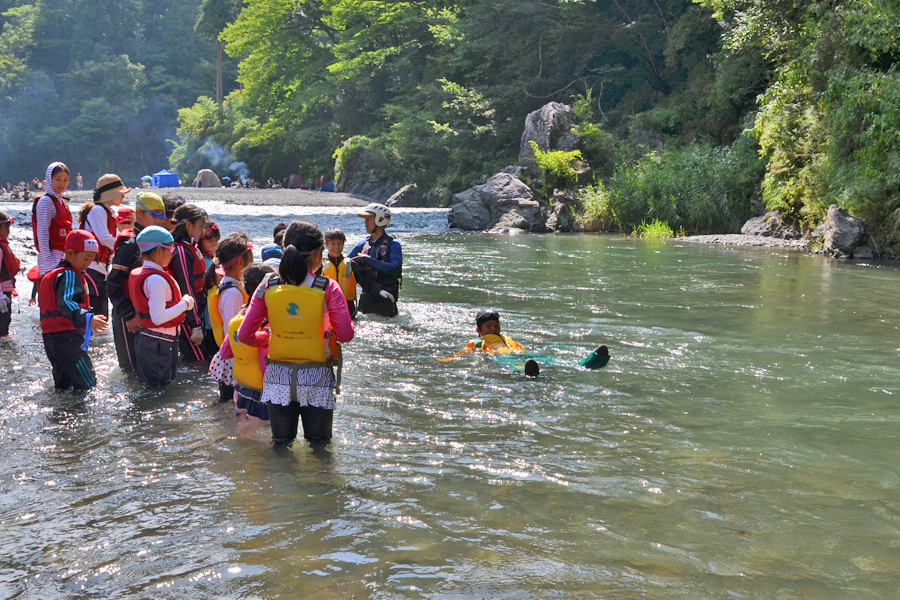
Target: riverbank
(243, 196)
(737, 239)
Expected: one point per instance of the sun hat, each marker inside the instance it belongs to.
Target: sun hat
(151, 203)
(80, 240)
(125, 215)
(483, 316)
(271, 251)
(382, 214)
(109, 186)
(153, 236)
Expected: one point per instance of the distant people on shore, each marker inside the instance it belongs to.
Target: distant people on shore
(79, 181)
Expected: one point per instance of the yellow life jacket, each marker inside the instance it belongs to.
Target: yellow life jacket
(297, 320)
(495, 343)
(246, 358)
(343, 275)
(215, 317)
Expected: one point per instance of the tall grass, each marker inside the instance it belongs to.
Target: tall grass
(698, 189)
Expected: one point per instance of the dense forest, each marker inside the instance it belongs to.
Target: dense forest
(687, 112)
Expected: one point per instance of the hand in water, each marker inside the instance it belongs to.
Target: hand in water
(98, 323)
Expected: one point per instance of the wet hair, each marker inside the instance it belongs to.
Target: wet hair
(253, 276)
(302, 239)
(186, 213)
(231, 248)
(334, 233)
(279, 238)
(280, 227)
(58, 169)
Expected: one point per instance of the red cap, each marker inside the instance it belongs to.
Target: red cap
(80, 240)
(125, 215)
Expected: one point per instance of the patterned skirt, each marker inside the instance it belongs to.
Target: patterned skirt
(222, 370)
(313, 387)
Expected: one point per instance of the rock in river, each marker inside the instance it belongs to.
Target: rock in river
(504, 202)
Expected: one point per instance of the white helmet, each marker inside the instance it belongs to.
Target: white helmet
(382, 214)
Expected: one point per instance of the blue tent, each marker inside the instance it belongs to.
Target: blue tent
(165, 179)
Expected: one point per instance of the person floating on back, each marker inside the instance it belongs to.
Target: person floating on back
(339, 269)
(378, 264)
(9, 268)
(160, 307)
(66, 320)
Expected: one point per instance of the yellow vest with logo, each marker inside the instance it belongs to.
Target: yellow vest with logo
(297, 320)
(215, 316)
(343, 275)
(246, 358)
(495, 343)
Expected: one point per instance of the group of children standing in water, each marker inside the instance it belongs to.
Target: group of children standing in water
(270, 331)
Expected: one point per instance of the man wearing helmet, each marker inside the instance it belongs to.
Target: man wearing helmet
(377, 262)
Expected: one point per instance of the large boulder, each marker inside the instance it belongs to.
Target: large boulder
(409, 196)
(547, 126)
(502, 203)
(772, 224)
(846, 236)
(560, 216)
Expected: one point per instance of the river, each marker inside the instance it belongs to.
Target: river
(742, 442)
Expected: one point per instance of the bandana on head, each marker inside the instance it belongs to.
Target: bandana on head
(48, 178)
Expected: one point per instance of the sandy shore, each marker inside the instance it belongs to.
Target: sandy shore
(736, 239)
(240, 196)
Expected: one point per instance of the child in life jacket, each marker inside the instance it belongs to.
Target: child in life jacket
(51, 219)
(125, 218)
(339, 269)
(188, 268)
(487, 325)
(9, 268)
(249, 362)
(225, 300)
(99, 217)
(66, 319)
(160, 308)
(307, 317)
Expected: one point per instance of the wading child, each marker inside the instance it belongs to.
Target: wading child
(149, 211)
(9, 268)
(99, 218)
(339, 269)
(124, 219)
(65, 314)
(51, 219)
(249, 362)
(307, 316)
(487, 325)
(188, 269)
(160, 308)
(225, 300)
(209, 239)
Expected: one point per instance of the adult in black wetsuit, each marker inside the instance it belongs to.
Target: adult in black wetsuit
(377, 262)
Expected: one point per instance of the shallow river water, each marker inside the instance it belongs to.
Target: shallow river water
(742, 443)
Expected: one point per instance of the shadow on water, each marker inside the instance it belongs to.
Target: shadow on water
(741, 442)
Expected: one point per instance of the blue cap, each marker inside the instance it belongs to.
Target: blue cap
(271, 251)
(153, 236)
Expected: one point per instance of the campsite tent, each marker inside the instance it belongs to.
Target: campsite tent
(294, 182)
(206, 178)
(165, 179)
(328, 186)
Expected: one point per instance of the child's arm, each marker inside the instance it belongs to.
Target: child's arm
(156, 287)
(230, 304)
(69, 293)
(338, 313)
(96, 218)
(249, 332)
(45, 254)
(181, 268)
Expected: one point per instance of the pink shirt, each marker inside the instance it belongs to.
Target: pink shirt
(337, 316)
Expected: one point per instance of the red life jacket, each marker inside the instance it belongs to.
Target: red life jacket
(9, 260)
(104, 253)
(124, 236)
(52, 320)
(195, 277)
(142, 303)
(60, 225)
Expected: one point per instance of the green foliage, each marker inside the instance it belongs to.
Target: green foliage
(700, 189)
(655, 230)
(597, 212)
(557, 167)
